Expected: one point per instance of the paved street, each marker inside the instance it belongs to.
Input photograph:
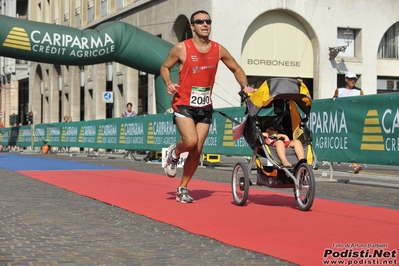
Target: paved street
(46, 225)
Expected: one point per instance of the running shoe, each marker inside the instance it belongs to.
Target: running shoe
(182, 195)
(171, 163)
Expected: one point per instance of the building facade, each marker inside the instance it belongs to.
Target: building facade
(315, 40)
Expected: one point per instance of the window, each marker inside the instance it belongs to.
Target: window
(90, 15)
(66, 19)
(90, 11)
(389, 45)
(387, 84)
(77, 17)
(390, 85)
(104, 7)
(119, 4)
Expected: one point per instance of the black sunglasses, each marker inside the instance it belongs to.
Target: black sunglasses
(201, 21)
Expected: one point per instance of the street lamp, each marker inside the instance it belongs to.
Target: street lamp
(109, 71)
(82, 77)
(348, 37)
(59, 81)
(41, 84)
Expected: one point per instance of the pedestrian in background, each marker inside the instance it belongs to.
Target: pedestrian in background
(128, 112)
(350, 90)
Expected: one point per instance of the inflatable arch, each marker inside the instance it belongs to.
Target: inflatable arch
(110, 41)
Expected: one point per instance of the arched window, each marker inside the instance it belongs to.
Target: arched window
(389, 45)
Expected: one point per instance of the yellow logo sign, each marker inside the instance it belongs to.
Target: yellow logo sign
(99, 135)
(228, 134)
(63, 134)
(122, 134)
(150, 137)
(80, 137)
(372, 139)
(17, 38)
(47, 134)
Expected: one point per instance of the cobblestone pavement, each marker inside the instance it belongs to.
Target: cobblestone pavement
(45, 225)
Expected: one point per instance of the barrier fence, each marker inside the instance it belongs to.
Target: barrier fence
(147, 132)
(363, 129)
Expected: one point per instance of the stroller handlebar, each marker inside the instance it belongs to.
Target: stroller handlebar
(245, 95)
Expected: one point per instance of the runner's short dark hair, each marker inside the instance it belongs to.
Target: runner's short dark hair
(197, 12)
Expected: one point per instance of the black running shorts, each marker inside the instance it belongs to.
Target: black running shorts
(199, 115)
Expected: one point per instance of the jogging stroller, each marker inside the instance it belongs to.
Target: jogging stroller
(285, 104)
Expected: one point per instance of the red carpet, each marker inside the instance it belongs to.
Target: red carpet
(269, 224)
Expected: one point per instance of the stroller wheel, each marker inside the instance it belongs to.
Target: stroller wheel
(305, 191)
(240, 184)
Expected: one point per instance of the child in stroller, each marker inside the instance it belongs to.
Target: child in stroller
(280, 142)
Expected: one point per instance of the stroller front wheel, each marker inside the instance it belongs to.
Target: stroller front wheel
(240, 184)
(306, 189)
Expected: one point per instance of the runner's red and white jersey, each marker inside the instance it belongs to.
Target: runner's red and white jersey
(197, 76)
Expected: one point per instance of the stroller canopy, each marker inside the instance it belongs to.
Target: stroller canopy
(279, 88)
